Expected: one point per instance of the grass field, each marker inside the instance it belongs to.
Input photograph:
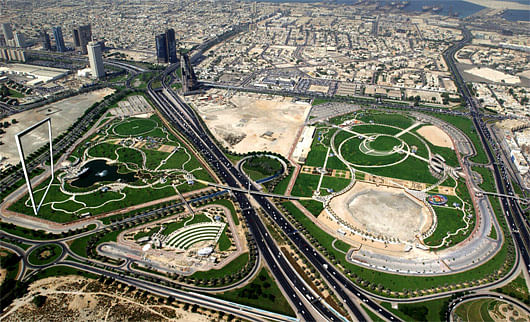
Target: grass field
(396, 119)
(517, 289)
(307, 183)
(259, 167)
(15, 94)
(262, 293)
(432, 311)
(449, 220)
(135, 127)
(384, 143)
(475, 310)
(44, 254)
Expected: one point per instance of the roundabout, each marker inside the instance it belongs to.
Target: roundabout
(44, 254)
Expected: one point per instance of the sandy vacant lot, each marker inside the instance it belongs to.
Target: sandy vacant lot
(493, 75)
(254, 122)
(63, 113)
(382, 210)
(436, 136)
(74, 298)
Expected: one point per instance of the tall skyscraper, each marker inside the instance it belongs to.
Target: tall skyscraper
(166, 47)
(188, 78)
(45, 40)
(96, 59)
(59, 39)
(161, 52)
(20, 39)
(82, 36)
(171, 46)
(7, 31)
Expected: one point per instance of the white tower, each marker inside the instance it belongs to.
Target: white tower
(96, 59)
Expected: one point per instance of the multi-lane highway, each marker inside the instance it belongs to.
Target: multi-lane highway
(184, 118)
(512, 210)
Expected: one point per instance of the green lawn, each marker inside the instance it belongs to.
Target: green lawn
(131, 156)
(61, 270)
(262, 293)
(384, 143)
(423, 311)
(488, 182)
(228, 204)
(394, 119)
(224, 242)
(517, 289)
(475, 310)
(449, 220)
(259, 167)
(134, 126)
(15, 94)
(282, 185)
(314, 207)
(44, 254)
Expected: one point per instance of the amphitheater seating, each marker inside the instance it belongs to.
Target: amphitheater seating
(185, 237)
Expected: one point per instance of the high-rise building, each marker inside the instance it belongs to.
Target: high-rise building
(7, 31)
(188, 78)
(161, 52)
(171, 46)
(166, 47)
(59, 39)
(20, 39)
(45, 40)
(95, 58)
(82, 36)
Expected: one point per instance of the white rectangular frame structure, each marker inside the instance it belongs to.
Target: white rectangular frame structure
(18, 136)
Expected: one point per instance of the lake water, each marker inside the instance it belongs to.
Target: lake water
(99, 171)
(462, 8)
(516, 15)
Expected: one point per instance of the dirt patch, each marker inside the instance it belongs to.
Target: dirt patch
(166, 148)
(383, 211)
(252, 122)
(62, 113)
(74, 298)
(436, 136)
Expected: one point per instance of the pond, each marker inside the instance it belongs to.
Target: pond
(99, 171)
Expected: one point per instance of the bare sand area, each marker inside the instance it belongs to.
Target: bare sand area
(253, 122)
(383, 211)
(493, 75)
(497, 4)
(74, 298)
(62, 113)
(436, 136)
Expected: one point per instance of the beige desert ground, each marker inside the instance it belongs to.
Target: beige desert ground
(74, 298)
(253, 122)
(382, 211)
(62, 113)
(493, 75)
(436, 136)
